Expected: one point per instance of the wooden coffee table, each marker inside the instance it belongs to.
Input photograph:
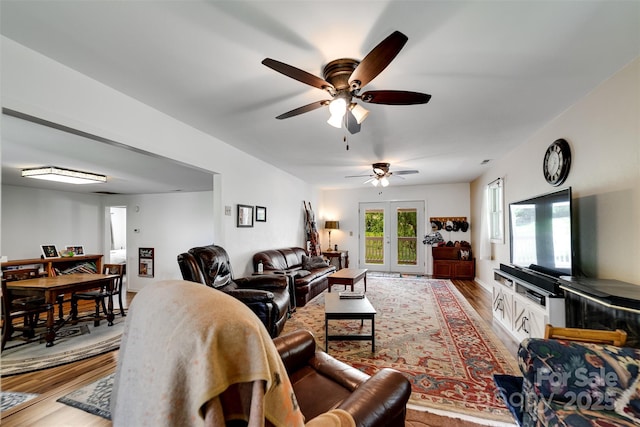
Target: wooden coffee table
(348, 277)
(337, 308)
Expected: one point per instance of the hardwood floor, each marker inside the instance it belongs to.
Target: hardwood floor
(53, 383)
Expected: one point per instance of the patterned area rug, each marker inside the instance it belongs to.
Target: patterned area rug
(93, 398)
(426, 329)
(72, 343)
(9, 399)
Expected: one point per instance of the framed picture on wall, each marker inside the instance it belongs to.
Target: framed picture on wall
(245, 216)
(145, 262)
(261, 214)
(49, 251)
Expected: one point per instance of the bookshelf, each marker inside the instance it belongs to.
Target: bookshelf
(61, 265)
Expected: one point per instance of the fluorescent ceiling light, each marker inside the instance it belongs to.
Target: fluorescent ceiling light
(52, 173)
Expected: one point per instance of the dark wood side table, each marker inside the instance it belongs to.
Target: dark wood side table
(339, 255)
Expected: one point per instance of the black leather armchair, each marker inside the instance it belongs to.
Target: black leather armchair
(266, 295)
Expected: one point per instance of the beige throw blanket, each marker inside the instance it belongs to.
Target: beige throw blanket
(188, 350)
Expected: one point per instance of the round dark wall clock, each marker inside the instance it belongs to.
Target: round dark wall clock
(557, 161)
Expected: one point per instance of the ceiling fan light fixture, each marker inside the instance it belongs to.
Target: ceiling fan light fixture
(375, 182)
(335, 121)
(384, 181)
(359, 112)
(337, 108)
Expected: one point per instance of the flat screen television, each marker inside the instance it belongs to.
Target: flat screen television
(540, 233)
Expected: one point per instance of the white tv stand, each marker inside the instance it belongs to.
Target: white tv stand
(522, 307)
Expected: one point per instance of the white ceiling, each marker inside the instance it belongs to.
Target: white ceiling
(498, 71)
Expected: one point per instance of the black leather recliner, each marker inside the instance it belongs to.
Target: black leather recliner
(266, 295)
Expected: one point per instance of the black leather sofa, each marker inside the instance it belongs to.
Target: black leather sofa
(266, 295)
(307, 281)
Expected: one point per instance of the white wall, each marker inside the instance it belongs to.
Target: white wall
(169, 223)
(36, 85)
(32, 217)
(342, 205)
(603, 130)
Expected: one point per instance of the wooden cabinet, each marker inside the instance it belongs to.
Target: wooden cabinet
(447, 263)
(524, 309)
(55, 266)
(502, 305)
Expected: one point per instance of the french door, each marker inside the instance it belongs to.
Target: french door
(389, 234)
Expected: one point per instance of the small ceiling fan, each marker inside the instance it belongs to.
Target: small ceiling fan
(344, 79)
(381, 174)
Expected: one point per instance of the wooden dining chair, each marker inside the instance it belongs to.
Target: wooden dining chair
(117, 288)
(27, 308)
(32, 273)
(99, 295)
(617, 337)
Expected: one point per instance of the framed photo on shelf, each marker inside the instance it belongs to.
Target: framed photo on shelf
(76, 249)
(245, 216)
(261, 214)
(49, 251)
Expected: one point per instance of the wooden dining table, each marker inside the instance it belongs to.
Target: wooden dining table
(53, 286)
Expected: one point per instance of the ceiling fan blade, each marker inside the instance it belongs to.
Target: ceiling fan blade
(351, 123)
(359, 176)
(298, 74)
(406, 172)
(377, 60)
(394, 97)
(370, 180)
(303, 109)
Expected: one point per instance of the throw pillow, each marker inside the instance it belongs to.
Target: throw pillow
(628, 404)
(301, 273)
(309, 263)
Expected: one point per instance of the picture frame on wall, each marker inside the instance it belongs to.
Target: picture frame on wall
(146, 258)
(261, 214)
(245, 216)
(49, 251)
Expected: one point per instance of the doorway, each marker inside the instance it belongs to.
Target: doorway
(389, 236)
(117, 234)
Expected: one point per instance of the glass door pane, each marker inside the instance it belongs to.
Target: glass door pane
(374, 236)
(407, 236)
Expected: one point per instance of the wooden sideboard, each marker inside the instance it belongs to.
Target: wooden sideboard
(51, 266)
(447, 263)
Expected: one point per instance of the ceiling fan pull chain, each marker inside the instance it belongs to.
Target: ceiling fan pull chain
(344, 139)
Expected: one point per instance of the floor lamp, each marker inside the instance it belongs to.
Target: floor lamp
(331, 225)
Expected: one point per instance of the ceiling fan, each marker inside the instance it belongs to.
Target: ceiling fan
(381, 174)
(344, 79)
